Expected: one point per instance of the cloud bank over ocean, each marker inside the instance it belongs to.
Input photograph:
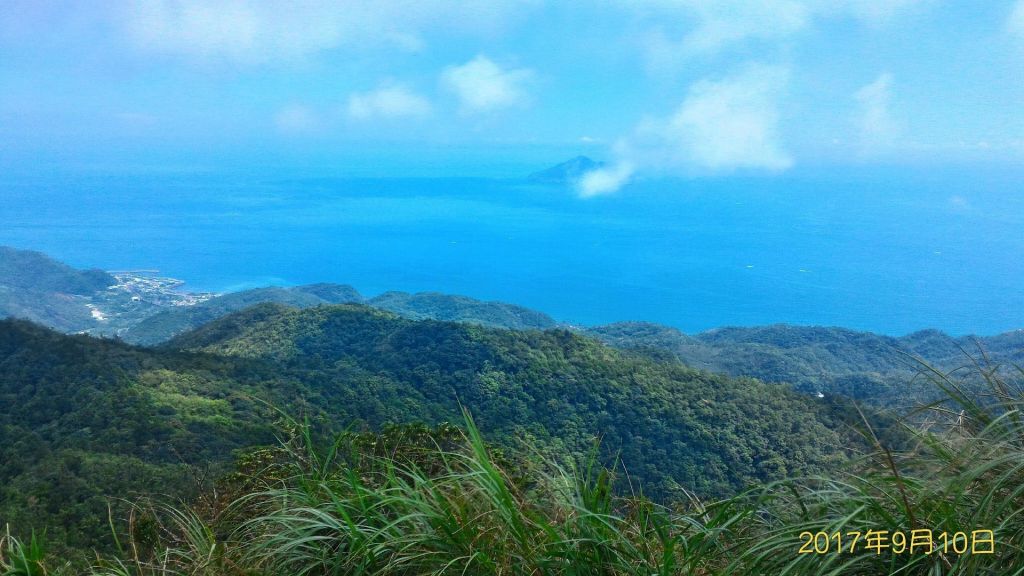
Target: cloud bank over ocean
(675, 87)
(722, 125)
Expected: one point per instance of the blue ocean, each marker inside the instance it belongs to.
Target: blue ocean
(890, 252)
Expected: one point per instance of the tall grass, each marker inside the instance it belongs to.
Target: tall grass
(467, 516)
(965, 473)
(439, 504)
(18, 558)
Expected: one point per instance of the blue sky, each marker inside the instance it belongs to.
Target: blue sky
(655, 87)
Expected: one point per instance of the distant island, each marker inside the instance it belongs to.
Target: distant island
(567, 172)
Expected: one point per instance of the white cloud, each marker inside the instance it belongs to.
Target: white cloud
(721, 125)
(878, 127)
(262, 31)
(483, 86)
(728, 21)
(387, 102)
(1015, 23)
(877, 12)
(701, 27)
(604, 180)
(730, 123)
(296, 119)
(233, 30)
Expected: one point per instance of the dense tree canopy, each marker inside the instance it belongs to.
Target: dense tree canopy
(91, 418)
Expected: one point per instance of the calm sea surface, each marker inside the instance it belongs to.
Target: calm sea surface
(888, 253)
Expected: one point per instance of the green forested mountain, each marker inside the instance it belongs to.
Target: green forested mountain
(27, 270)
(861, 365)
(647, 337)
(450, 308)
(36, 287)
(146, 311)
(869, 367)
(86, 418)
(87, 423)
(99, 419)
(171, 322)
(670, 423)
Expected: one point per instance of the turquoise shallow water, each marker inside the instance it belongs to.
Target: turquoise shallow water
(890, 253)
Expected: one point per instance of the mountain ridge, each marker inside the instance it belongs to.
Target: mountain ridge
(814, 359)
(97, 408)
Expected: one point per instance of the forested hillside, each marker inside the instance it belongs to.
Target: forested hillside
(88, 425)
(452, 308)
(87, 418)
(876, 369)
(146, 311)
(36, 287)
(84, 419)
(413, 500)
(708, 433)
(171, 322)
(869, 367)
(836, 361)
